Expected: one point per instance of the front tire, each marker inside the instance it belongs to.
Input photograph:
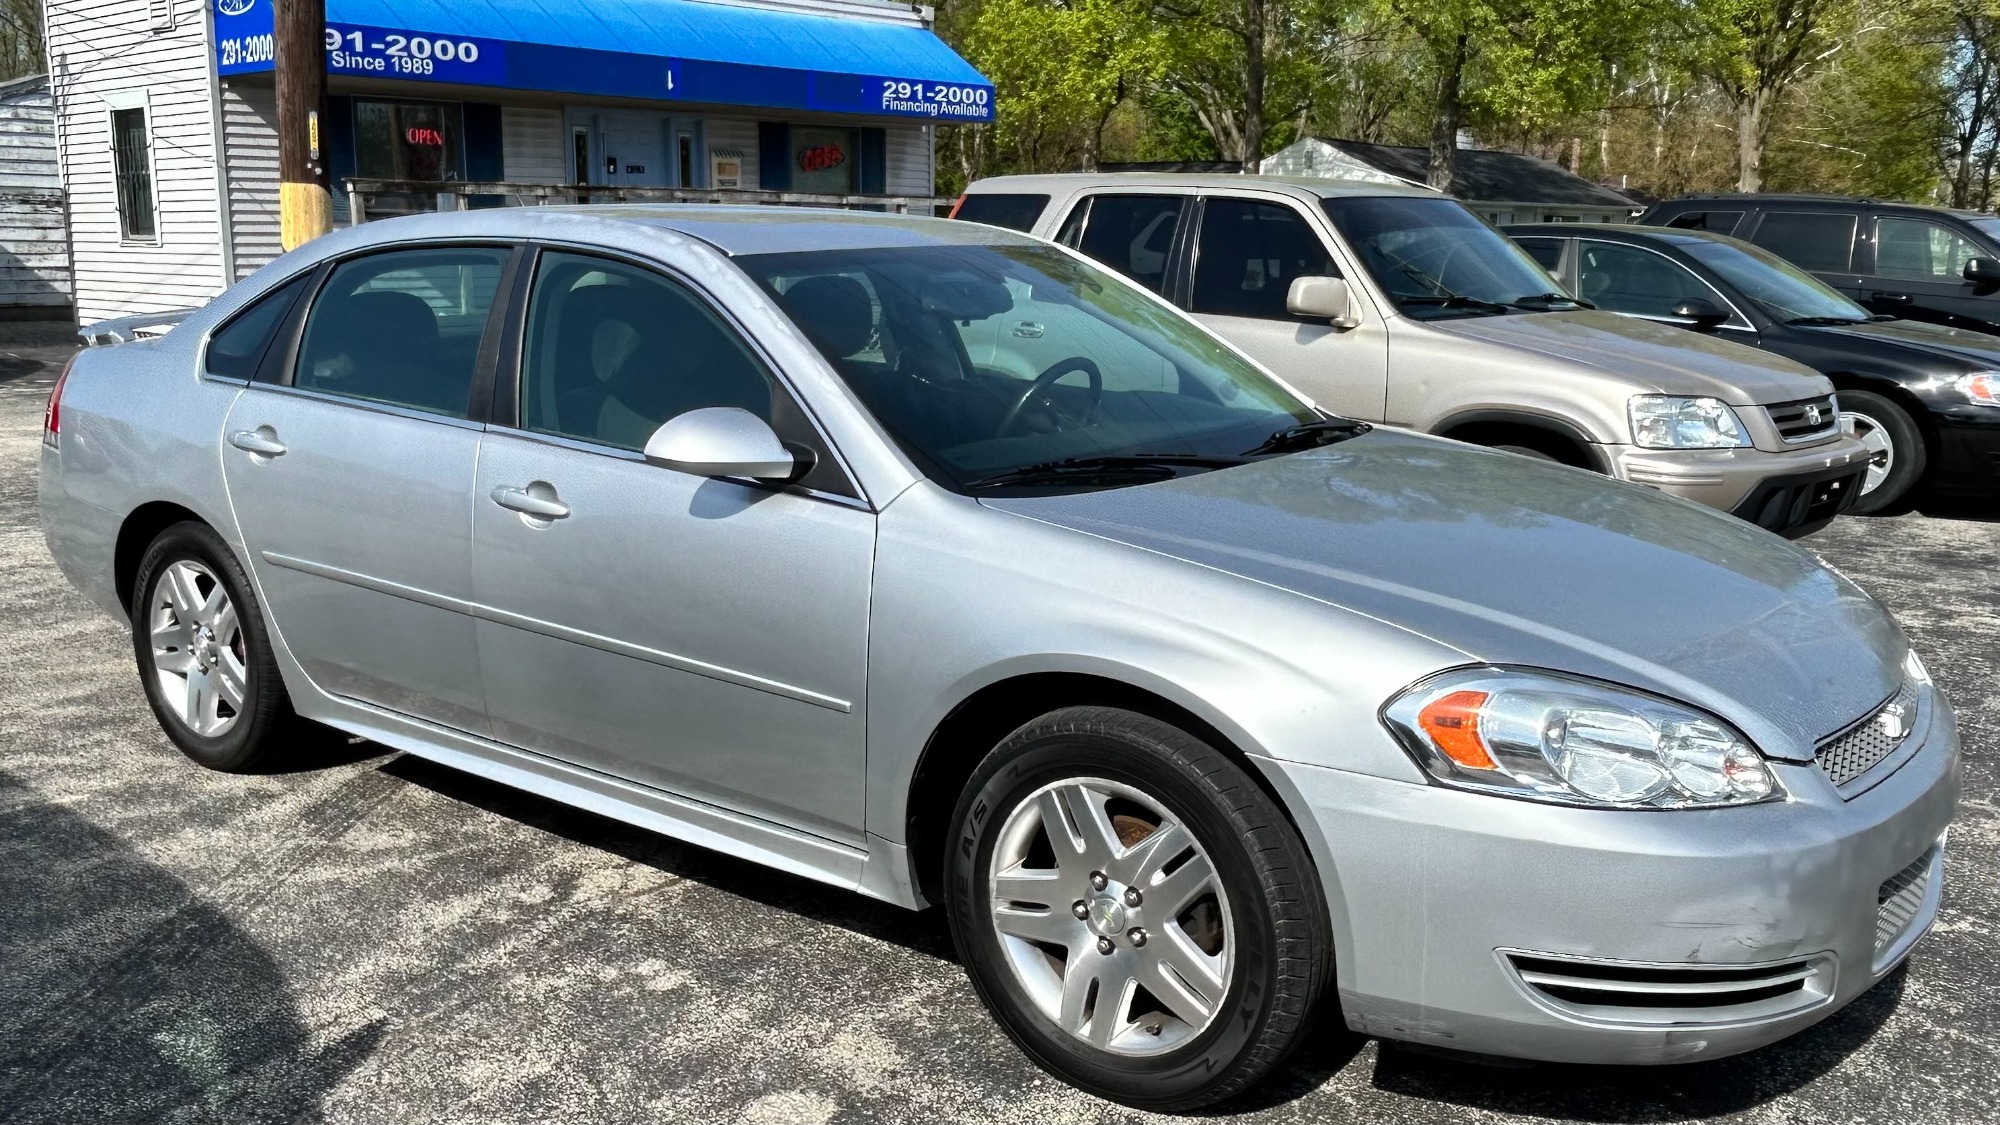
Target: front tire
(204, 654)
(1895, 450)
(1135, 911)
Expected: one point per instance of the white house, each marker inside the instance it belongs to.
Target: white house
(168, 149)
(34, 244)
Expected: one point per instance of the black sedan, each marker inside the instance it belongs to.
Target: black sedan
(1925, 398)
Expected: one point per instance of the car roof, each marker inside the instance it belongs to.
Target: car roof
(1669, 235)
(1292, 185)
(734, 229)
(1698, 200)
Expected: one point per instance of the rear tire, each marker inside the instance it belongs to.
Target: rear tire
(1207, 949)
(1895, 450)
(203, 651)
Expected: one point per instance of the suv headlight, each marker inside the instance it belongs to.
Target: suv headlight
(1980, 386)
(1573, 741)
(1685, 422)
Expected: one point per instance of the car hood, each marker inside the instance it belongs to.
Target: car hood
(1980, 350)
(1515, 561)
(1661, 356)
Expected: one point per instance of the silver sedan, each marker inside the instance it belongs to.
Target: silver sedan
(939, 563)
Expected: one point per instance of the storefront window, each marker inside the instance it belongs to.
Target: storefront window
(823, 160)
(407, 140)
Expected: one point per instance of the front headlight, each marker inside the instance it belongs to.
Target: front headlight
(1685, 422)
(1573, 741)
(1980, 387)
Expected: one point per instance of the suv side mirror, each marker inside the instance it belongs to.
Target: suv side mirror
(1699, 312)
(1982, 271)
(1322, 298)
(721, 441)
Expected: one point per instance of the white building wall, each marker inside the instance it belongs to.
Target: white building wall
(909, 160)
(34, 241)
(531, 145)
(884, 10)
(250, 137)
(106, 52)
(736, 135)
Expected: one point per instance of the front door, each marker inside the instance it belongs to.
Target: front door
(352, 485)
(1919, 273)
(635, 148)
(1247, 254)
(706, 637)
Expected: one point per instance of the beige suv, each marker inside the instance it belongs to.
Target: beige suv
(1396, 304)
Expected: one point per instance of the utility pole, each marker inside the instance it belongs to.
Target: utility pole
(305, 197)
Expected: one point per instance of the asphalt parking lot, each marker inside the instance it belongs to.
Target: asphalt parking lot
(370, 938)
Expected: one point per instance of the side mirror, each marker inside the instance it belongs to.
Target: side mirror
(1699, 312)
(721, 441)
(1322, 298)
(1983, 271)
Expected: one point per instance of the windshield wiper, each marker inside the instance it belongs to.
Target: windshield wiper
(1310, 435)
(1154, 466)
(1819, 321)
(1538, 302)
(1455, 301)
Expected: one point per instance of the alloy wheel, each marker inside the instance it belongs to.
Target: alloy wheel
(1111, 917)
(198, 648)
(1881, 451)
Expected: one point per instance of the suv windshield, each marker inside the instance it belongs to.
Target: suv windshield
(1017, 365)
(1436, 259)
(1781, 289)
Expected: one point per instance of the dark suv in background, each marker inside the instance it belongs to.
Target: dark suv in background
(1897, 259)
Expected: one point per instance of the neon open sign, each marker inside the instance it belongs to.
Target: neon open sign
(422, 135)
(821, 157)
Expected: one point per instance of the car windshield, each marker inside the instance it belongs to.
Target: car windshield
(1436, 259)
(1020, 365)
(1781, 289)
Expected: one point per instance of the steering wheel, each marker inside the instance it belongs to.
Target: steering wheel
(1039, 388)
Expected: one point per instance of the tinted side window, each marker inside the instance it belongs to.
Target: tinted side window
(236, 349)
(1629, 280)
(1822, 242)
(1546, 251)
(612, 351)
(1133, 234)
(1721, 222)
(402, 328)
(1249, 254)
(1920, 250)
(1015, 212)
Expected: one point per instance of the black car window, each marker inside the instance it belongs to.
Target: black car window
(1546, 251)
(1920, 250)
(998, 209)
(1721, 222)
(612, 351)
(1630, 280)
(237, 348)
(402, 328)
(1132, 234)
(1248, 255)
(1820, 241)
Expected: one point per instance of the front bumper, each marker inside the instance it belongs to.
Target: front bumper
(1447, 905)
(1789, 492)
(1968, 453)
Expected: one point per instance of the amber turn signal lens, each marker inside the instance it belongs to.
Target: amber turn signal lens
(1452, 723)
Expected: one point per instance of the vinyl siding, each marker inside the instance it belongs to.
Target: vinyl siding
(737, 136)
(101, 49)
(531, 145)
(909, 159)
(34, 242)
(250, 138)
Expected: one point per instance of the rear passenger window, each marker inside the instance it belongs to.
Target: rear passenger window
(1133, 234)
(237, 348)
(1821, 242)
(1546, 251)
(402, 328)
(1721, 222)
(613, 351)
(1015, 212)
(1249, 255)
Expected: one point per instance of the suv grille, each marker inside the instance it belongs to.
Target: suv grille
(1805, 419)
(1901, 899)
(1676, 995)
(1862, 747)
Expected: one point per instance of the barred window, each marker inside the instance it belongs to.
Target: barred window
(132, 165)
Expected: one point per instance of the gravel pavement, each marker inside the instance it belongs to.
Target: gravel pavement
(371, 938)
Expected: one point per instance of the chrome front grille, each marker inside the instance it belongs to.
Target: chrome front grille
(1901, 898)
(1862, 747)
(1805, 419)
(1672, 995)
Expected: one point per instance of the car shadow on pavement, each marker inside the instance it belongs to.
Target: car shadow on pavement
(1639, 1095)
(920, 931)
(125, 997)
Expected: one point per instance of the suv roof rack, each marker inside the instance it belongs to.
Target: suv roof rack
(1789, 195)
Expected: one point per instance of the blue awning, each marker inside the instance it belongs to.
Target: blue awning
(664, 50)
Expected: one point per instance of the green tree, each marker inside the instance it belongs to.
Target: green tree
(1060, 68)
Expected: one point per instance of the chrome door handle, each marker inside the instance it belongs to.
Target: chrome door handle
(1894, 298)
(1028, 329)
(259, 441)
(528, 504)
